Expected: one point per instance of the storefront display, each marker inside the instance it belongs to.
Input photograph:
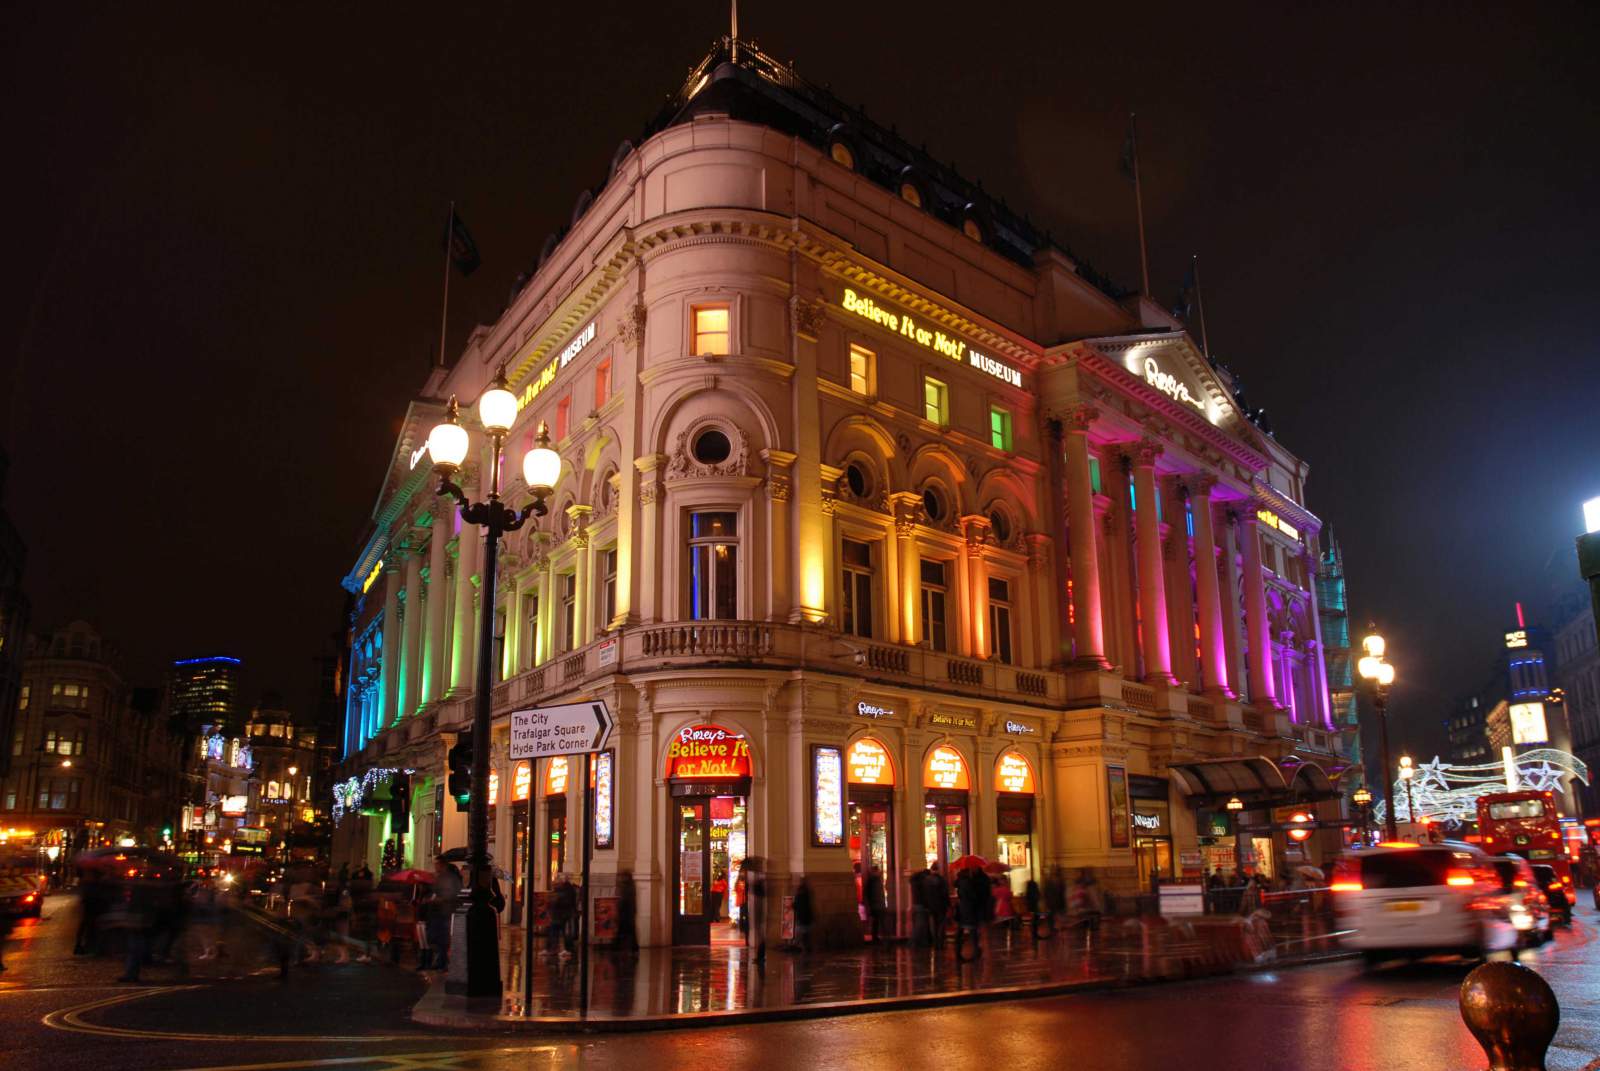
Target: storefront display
(827, 796)
(708, 769)
(944, 818)
(1152, 830)
(604, 799)
(555, 804)
(871, 781)
(1014, 784)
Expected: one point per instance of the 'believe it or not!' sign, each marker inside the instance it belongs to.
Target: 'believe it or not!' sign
(568, 729)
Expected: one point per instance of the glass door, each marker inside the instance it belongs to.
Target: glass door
(691, 906)
(557, 848)
(872, 845)
(944, 835)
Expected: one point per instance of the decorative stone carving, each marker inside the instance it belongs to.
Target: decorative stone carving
(630, 329)
(809, 316)
(778, 487)
(1144, 453)
(648, 493)
(683, 463)
(1081, 418)
(1200, 483)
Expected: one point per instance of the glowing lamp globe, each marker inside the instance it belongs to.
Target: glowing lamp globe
(1385, 674)
(541, 466)
(1368, 667)
(497, 407)
(447, 445)
(1373, 645)
(1591, 515)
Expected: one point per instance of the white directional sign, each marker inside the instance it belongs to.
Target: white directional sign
(568, 729)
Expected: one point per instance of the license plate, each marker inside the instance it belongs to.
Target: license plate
(1403, 905)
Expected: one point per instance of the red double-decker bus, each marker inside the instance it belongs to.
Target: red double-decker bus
(1525, 823)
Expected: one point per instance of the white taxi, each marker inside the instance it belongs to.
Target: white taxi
(1400, 899)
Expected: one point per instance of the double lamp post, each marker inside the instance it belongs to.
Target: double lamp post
(541, 467)
(1380, 675)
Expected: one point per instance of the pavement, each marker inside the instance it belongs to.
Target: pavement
(61, 1013)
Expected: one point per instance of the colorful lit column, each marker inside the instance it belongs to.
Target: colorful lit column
(1152, 577)
(977, 533)
(392, 579)
(1228, 593)
(650, 500)
(1088, 627)
(780, 586)
(1258, 629)
(438, 643)
(411, 660)
(905, 505)
(1180, 593)
(1318, 668)
(1213, 652)
(581, 573)
(461, 634)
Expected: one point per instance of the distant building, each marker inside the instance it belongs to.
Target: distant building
(1467, 730)
(1578, 681)
(205, 692)
(284, 751)
(1333, 607)
(13, 621)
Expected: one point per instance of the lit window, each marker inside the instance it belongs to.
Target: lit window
(17, 742)
(999, 428)
(842, 155)
(910, 194)
(1094, 475)
(934, 591)
(713, 566)
(569, 611)
(711, 330)
(602, 383)
(563, 417)
(971, 229)
(1000, 619)
(22, 699)
(857, 606)
(935, 401)
(861, 371)
(530, 629)
(608, 586)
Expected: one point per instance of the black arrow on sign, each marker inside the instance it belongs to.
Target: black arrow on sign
(602, 725)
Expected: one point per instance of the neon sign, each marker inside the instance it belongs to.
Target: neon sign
(868, 763)
(547, 374)
(1013, 774)
(708, 751)
(954, 348)
(946, 769)
(872, 710)
(1169, 384)
(1518, 638)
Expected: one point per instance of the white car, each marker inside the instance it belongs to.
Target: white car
(1400, 900)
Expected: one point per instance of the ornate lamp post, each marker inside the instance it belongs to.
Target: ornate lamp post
(1362, 798)
(1380, 675)
(1407, 771)
(541, 466)
(1235, 808)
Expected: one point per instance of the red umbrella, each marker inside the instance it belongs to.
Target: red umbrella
(995, 868)
(969, 861)
(411, 877)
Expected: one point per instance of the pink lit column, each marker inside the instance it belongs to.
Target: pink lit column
(1213, 650)
(1257, 628)
(1152, 574)
(1088, 626)
(1318, 668)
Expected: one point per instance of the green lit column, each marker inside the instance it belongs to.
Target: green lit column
(392, 579)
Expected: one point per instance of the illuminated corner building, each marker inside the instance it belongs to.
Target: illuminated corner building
(284, 750)
(888, 530)
(205, 692)
(1333, 604)
(1530, 713)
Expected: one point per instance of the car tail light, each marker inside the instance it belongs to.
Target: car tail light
(30, 898)
(1460, 877)
(1520, 884)
(1346, 886)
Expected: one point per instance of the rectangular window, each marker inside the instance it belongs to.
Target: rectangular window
(999, 428)
(713, 566)
(22, 699)
(1094, 475)
(530, 629)
(569, 611)
(857, 607)
(608, 586)
(69, 696)
(1000, 619)
(11, 799)
(17, 740)
(861, 370)
(602, 383)
(50, 742)
(934, 592)
(711, 330)
(563, 418)
(935, 401)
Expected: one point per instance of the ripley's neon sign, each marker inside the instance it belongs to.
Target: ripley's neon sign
(1169, 384)
(954, 348)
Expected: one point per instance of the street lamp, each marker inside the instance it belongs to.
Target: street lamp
(541, 466)
(1380, 675)
(1589, 556)
(1406, 772)
(1362, 798)
(1235, 807)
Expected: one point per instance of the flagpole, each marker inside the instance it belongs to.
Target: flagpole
(1200, 303)
(1138, 201)
(444, 314)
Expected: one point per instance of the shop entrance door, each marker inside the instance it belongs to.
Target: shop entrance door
(944, 832)
(1154, 858)
(555, 861)
(872, 845)
(709, 848)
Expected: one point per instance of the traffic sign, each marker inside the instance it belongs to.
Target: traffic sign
(567, 729)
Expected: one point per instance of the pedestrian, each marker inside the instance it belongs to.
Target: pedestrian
(563, 914)
(1031, 901)
(805, 914)
(1055, 896)
(136, 916)
(756, 899)
(874, 904)
(974, 908)
(446, 891)
(627, 913)
(1088, 902)
(1005, 909)
(740, 891)
(937, 894)
(920, 933)
(94, 897)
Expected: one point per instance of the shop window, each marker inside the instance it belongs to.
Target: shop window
(857, 606)
(713, 565)
(1000, 619)
(711, 334)
(602, 382)
(861, 370)
(935, 401)
(1000, 427)
(608, 586)
(569, 611)
(935, 590)
(563, 418)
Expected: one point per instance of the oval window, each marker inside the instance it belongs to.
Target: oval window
(970, 228)
(855, 478)
(1000, 525)
(842, 155)
(933, 504)
(910, 194)
(711, 447)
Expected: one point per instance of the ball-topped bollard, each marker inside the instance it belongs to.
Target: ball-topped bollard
(1512, 1012)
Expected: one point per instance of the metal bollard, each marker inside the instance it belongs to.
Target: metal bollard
(1512, 1012)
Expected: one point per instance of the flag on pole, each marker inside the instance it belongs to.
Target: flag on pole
(463, 250)
(1185, 303)
(1129, 164)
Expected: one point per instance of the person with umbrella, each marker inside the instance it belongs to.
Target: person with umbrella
(974, 904)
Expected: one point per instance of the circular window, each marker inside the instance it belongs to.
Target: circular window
(855, 478)
(999, 525)
(910, 194)
(842, 155)
(970, 228)
(711, 447)
(933, 504)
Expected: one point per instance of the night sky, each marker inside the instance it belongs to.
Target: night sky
(223, 276)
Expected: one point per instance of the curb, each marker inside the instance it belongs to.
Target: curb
(432, 1011)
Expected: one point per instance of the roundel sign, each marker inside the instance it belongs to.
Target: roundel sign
(708, 752)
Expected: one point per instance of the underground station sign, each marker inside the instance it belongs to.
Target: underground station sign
(568, 729)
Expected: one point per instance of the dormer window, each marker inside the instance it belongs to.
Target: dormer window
(972, 229)
(910, 194)
(842, 155)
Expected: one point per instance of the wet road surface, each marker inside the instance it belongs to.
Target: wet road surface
(63, 1013)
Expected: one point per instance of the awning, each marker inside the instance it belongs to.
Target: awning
(1254, 779)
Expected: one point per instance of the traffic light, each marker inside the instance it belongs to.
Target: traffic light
(460, 760)
(400, 799)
